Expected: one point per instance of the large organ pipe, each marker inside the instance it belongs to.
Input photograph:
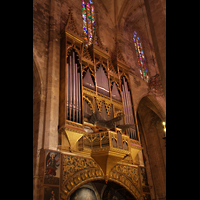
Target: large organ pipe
(79, 98)
(67, 110)
(130, 111)
(125, 106)
(129, 104)
(73, 78)
(123, 101)
(70, 87)
(76, 85)
(129, 107)
(126, 101)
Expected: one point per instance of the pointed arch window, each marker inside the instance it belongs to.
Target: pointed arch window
(140, 57)
(88, 21)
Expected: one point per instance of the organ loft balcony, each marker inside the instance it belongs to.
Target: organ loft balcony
(106, 147)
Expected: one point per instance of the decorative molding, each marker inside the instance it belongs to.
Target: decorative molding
(89, 103)
(75, 124)
(128, 176)
(86, 55)
(108, 106)
(101, 97)
(71, 25)
(76, 171)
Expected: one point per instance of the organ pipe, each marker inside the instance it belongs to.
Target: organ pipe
(67, 110)
(76, 80)
(79, 98)
(128, 111)
(70, 87)
(73, 76)
(73, 91)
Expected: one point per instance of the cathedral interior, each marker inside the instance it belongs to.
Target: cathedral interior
(99, 99)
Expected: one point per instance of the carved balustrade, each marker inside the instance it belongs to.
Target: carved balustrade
(105, 140)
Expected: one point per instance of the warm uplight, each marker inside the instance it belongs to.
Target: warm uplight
(163, 123)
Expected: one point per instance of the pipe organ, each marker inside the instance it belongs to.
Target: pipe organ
(96, 117)
(94, 93)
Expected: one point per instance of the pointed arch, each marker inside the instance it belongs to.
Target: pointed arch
(154, 105)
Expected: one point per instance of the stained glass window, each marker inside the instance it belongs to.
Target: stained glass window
(140, 57)
(88, 21)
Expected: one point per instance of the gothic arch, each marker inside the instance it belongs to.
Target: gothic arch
(72, 47)
(86, 170)
(150, 116)
(124, 182)
(151, 102)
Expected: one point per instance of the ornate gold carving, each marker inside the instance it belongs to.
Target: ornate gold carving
(89, 103)
(100, 52)
(75, 124)
(128, 176)
(132, 141)
(88, 91)
(73, 47)
(108, 106)
(86, 54)
(99, 104)
(76, 170)
(102, 97)
(118, 112)
(112, 68)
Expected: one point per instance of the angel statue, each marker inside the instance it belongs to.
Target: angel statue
(51, 165)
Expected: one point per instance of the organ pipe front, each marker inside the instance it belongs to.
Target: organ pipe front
(128, 111)
(73, 106)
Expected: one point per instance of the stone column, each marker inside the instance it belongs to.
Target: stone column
(53, 75)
